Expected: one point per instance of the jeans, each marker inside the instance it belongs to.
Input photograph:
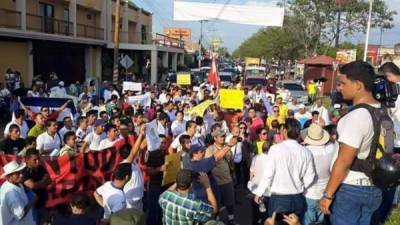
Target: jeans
(287, 204)
(354, 205)
(313, 213)
(154, 211)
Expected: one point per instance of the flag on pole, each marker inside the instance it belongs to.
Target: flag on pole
(213, 77)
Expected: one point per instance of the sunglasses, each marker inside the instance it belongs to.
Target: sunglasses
(264, 133)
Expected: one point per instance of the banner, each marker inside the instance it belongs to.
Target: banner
(48, 102)
(131, 86)
(260, 15)
(174, 165)
(143, 100)
(153, 140)
(231, 99)
(183, 79)
(201, 108)
(70, 174)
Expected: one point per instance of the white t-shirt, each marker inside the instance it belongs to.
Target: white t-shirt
(323, 113)
(48, 143)
(356, 130)
(106, 143)
(114, 198)
(64, 130)
(322, 157)
(94, 140)
(134, 188)
(178, 127)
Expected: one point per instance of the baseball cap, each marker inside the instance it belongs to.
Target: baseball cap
(219, 133)
(195, 148)
(100, 122)
(302, 106)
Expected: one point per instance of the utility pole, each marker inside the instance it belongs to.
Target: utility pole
(201, 40)
(368, 30)
(338, 29)
(116, 42)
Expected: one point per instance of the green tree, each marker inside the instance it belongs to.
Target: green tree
(324, 21)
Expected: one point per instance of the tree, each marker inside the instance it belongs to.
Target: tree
(325, 20)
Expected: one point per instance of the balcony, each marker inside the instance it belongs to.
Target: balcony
(148, 38)
(48, 25)
(10, 19)
(164, 40)
(87, 31)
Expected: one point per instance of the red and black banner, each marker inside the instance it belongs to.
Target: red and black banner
(69, 174)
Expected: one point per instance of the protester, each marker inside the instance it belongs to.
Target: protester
(69, 147)
(182, 207)
(112, 137)
(39, 127)
(355, 197)
(68, 126)
(49, 140)
(19, 120)
(15, 206)
(93, 139)
(110, 195)
(13, 144)
(289, 170)
(79, 205)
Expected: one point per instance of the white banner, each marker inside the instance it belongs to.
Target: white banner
(131, 86)
(153, 141)
(143, 100)
(243, 14)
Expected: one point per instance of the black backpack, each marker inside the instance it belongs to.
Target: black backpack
(380, 165)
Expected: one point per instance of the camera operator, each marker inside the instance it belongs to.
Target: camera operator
(392, 73)
(350, 196)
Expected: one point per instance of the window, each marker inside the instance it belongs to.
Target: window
(144, 34)
(47, 15)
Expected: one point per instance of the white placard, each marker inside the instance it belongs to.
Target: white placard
(153, 141)
(143, 100)
(131, 86)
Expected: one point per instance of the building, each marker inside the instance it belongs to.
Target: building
(74, 39)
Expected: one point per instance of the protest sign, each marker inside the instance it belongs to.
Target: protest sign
(143, 100)
(183, 79)
(231, 99)
(174, 165)
(201, 108)
(153, 140)
(131, 86)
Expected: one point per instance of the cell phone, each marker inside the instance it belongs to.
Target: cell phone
(280, 216)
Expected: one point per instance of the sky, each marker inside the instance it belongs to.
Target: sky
(233, 35)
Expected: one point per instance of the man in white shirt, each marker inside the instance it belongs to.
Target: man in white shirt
(15, 206)
(93, 139)
(20, 121)
(355, 197)
(49, 140)
(110, 195)
(112, 137)
(323, 112)
(302, 115)
(289, 170)
(322, 150)
(68, 126)
(191, 131)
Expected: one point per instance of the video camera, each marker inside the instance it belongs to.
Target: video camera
(385, 92)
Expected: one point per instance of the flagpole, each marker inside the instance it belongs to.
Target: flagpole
(368, 30)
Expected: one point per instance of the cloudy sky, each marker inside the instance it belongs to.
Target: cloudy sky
(233, 35)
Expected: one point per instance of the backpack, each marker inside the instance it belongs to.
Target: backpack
(379, 165)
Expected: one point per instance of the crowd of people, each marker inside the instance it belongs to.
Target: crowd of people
(292, 159)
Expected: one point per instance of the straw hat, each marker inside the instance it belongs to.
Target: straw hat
(316, 135)
(12, 167)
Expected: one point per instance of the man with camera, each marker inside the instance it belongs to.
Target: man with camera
(350, 196)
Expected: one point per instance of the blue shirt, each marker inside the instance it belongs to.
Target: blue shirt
(203, 166)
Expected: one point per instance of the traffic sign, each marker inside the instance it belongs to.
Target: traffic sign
(126, 62)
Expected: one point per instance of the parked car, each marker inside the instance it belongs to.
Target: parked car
(296, 90)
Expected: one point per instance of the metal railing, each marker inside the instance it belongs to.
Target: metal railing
(48, 25)
(88, 31)
(10, 18)
(164, 40)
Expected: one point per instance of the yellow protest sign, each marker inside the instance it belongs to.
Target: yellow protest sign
(183, 79)
(259, 147)
(174, 165)
(199, 109)
(231, 99)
